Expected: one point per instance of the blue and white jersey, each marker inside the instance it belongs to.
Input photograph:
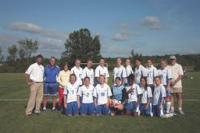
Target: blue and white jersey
(165, 75)
(70, 91)
(86, 93)
(139, 72)
(151, 74)
(135, 92)
(158, 94)
(117, 92)
(119, 72)
(101, 93)
(78, 71)
(51, 73)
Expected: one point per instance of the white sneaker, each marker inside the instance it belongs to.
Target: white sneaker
(181, 112)
(44, 109)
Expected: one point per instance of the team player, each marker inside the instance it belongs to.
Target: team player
(63, 80)
(128, 69)
(118, 98)
(119, 70)
(102, 94)
(165, 74)
(158, 98)
(70, 96)
(133, 97)
(50, 83)
(88, 71)
(85, 98)
(77, 70)
(140, 71)
(101, 70)
(145, 106)
(151, 74)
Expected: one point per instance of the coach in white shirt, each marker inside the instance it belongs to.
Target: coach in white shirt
(101, 69)
(34, 79)
(78, 71)
(177, 75)
(119, 70)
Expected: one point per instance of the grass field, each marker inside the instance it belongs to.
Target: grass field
(13, 120)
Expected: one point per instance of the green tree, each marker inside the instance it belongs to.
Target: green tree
(27, 47)
(12, 51)
(81, 44)
(1, 55)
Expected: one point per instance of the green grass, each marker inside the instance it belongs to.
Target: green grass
(13, 120)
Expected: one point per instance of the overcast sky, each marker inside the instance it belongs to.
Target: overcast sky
(150, 27)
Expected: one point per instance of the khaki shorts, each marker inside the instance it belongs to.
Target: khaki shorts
(177, 90)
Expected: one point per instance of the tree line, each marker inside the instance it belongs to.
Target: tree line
(80, 44)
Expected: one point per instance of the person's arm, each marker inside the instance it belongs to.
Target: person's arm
(28, 80)
(65, 101)
(79, 102)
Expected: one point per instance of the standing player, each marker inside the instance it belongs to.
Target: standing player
(133, 97)
(176, 82)
(102, 94)
(89, 72)
(63, 80)
(151, 74)
(145, 106)
(101, 70)
(128, 69)
(70, 98)
(140, 71)
(50, 83)
(77, 70)
(34, 79)
(85, 98)
(119, 70)
(158, 98)
(165, 73)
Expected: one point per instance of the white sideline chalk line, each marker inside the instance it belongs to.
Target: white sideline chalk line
(21, 100)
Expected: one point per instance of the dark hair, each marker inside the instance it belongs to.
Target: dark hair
(159, 77)
(72, 75)
(145, 79)
(118, 78)
(131, 78)
(138, 59)
(39, 56)
(86, 78)
(64, 64)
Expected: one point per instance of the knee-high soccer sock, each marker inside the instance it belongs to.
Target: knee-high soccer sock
(168, 106)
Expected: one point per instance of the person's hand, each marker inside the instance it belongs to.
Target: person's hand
(146, 106)
(29, 83)
(65, 106)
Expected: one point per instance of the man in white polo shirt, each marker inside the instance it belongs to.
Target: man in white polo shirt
(176, 82)
(34, 79)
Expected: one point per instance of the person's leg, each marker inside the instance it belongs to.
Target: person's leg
(61, 97)
(180, 103)
(54, 103)
(46, 96)
(75, 108)
(98, 110)
(69, 109)
(173, 102)
(39, 97)
(105, 110)
(83, 109)
(128, 107)
(31, 101)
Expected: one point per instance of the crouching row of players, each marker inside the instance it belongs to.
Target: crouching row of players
(132, 99)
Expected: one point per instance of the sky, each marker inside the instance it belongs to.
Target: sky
(150, 27)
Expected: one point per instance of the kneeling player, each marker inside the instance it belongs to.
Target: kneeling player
(158, 98)
(102, 93)
(133, 97)
(116, 103)
(70, 98)
(85, 98)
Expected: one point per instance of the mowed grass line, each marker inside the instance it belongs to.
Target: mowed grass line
(12, 118)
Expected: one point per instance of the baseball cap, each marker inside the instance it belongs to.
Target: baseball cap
(172, 57)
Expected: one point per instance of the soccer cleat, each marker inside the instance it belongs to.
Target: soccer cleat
(44, 109)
